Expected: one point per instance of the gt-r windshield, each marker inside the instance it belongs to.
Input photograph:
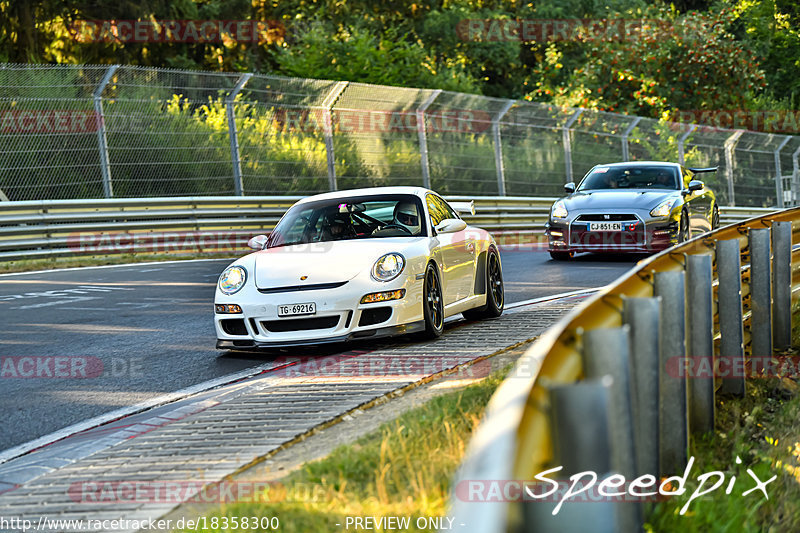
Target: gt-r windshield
(364, 217)
(633, 177)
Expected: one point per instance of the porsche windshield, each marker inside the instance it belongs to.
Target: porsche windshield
(337, 219)
(632, 177)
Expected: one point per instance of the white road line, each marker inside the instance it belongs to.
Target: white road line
(57, 302)
(123, 265)
(552, 297)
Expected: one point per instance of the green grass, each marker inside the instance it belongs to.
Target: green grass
(402, 469)
(763, 429)
(53, 263)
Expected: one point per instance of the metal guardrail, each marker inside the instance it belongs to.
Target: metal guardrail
(609, 388)
(53, 228)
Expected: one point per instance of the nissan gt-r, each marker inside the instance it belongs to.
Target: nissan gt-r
(640, 207)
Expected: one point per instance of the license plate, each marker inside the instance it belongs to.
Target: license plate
(297, 309)
(605, 226)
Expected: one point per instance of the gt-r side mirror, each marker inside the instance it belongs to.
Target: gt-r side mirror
(569, 188)
(451, 225)
(695, 185)
(257, 242)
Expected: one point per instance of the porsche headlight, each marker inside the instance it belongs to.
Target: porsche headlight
(559, 210)
(388, 267)
(232, 279)
(664, 208)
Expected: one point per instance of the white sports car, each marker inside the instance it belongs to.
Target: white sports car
(359, 263)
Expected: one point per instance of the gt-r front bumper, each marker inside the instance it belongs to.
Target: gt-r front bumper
(339, 314)
(634, 232)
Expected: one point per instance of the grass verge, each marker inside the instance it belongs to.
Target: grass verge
(763, 430)
(403, 469)
(53, 263)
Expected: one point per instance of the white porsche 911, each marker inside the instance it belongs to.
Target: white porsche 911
(358, 263)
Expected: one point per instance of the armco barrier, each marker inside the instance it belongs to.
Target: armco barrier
(52, 228)
(622, 383)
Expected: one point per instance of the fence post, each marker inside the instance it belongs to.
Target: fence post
(498, 148)
(642, 315)
(729, 308)
(625, 135)
(233, 136)
(681, 144)
(102, 140)
(778, 173)
(760, 293)
(670, 286)
(423, 138)
(795, 175)
(730, 144)
(327, 125)
(701, 343)
(568, 143)
(782, 284)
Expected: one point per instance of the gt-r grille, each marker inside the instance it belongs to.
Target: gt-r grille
(300, 324)
(296, 288)
(609, 217)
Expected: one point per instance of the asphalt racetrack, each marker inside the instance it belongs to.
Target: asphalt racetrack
(140, 331)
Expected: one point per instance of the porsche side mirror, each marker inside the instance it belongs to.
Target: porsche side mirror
(451, 225)
(569, 188)
(695, 185)
(257, 242)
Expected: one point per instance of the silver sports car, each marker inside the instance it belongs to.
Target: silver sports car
(641, 207)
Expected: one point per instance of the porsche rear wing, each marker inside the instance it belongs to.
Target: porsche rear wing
(464, 208)
(701, 170)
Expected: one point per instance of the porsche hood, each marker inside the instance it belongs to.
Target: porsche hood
(323, 262)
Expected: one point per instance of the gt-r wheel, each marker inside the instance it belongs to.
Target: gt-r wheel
(432, 304)
(683, 231)
(715, 218)
(562, 256)
(495, 295)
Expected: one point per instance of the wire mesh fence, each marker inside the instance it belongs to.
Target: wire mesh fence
(70, 131)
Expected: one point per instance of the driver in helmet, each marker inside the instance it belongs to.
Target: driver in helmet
(406, 215)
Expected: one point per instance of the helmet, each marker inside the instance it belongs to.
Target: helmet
(406, 215)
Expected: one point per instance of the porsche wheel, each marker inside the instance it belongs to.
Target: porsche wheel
(495, 295)
(432, 304)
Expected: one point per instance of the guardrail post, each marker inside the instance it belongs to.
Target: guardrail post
(102, 140)
(673, 431)
(327, 125)
(729, 308)
(778, 173)
(730, 144)
(498, 148)
(642, 315)
(701, 343)
(233, 136)
(625, 135)
(681, 143)
(606, 351)
(782, 285)
(568, 143)
(581, 442)
(760, 293)
(422, 132)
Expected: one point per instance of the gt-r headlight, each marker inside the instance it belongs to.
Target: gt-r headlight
(232, 279)
(664, 208)
(559, 210)
(388, 267)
